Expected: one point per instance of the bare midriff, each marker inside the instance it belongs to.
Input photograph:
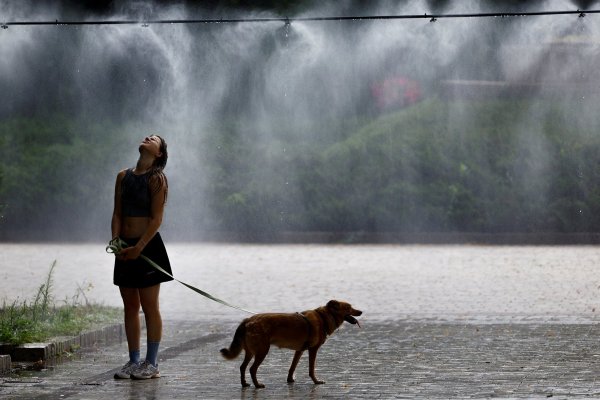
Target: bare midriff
(134, 227)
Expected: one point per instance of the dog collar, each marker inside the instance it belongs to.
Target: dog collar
(325, 323)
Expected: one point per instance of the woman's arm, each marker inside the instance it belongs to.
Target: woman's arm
(115, 224)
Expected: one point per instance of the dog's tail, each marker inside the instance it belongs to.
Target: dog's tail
(235, 348)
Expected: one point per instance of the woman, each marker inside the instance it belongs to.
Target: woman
(140, 197)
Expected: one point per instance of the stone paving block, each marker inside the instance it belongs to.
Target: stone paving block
(5, 364)
(32, 352)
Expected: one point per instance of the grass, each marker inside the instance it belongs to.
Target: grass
(40, 319)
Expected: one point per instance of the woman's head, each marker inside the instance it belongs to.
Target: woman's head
(157, 147)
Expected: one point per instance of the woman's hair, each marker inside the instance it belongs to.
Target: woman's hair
(158, 179)
(161, 162)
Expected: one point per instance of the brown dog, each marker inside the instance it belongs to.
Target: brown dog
(299, 331)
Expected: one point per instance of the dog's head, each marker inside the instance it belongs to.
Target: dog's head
(344, 311)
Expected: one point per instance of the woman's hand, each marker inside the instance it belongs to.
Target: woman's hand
(129, 253)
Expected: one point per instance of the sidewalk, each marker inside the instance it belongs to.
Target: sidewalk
(402, 359)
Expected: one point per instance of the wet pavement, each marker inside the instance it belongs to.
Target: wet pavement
(401, 359)
(438, 322)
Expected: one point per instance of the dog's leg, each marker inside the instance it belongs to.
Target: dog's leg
(297, 356)
(312, 360)
(258, 359)
(247, 359)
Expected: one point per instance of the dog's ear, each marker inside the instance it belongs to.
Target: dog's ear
(333, 305)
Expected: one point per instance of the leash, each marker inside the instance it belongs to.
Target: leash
(118, 244)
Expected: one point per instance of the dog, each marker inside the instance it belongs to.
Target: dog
(300, 331)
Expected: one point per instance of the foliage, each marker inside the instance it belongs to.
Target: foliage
(496, 165)
(40, 319)
(515, 166)
(51, 167)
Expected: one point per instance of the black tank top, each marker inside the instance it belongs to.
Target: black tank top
(135, 195)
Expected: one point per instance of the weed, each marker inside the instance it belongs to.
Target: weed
(36, 321)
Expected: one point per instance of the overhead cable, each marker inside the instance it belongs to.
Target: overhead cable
(287, 20)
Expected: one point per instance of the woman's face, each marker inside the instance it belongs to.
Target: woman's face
(151, 144)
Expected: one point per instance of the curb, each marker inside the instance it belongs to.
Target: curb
(32, 352)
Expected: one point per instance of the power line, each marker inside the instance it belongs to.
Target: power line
(431, 17)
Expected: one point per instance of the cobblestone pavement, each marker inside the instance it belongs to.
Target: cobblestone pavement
(402, 359)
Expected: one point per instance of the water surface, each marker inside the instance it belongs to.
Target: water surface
(396, 282)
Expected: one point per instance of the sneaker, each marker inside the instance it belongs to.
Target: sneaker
(145, 371)
(125, 371)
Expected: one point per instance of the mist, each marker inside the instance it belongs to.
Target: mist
(279, 91)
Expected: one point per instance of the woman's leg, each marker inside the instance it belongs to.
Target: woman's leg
(149, 302)
(150, 306)
(131, 305)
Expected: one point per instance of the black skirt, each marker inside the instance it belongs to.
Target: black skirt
(139, 273)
